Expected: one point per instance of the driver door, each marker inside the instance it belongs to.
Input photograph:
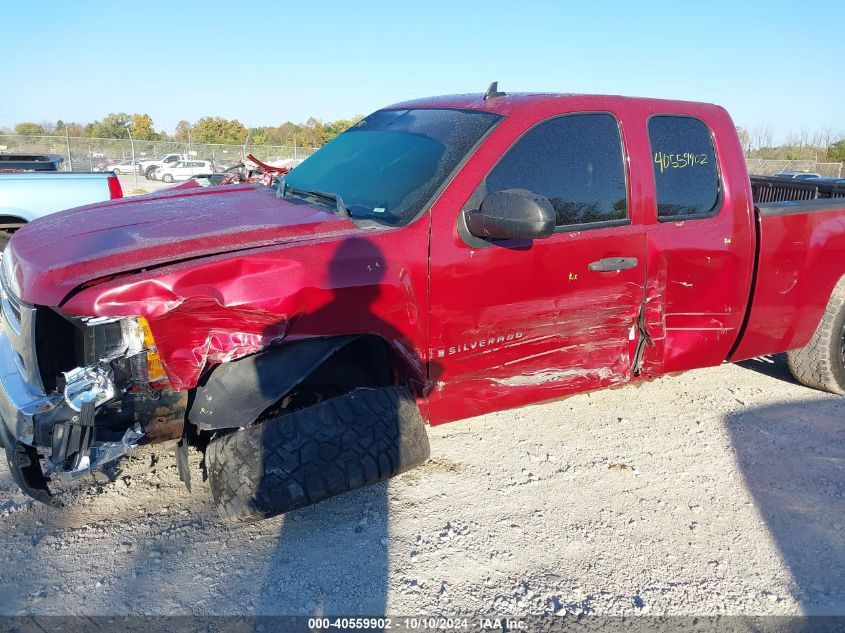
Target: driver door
(515, 322)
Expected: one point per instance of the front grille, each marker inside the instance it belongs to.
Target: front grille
(58, 346)
(19, 326)
(15, 315)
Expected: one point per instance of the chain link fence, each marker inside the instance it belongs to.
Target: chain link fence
(89, 154)
(764, 167)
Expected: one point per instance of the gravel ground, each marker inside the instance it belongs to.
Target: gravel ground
(717, 492)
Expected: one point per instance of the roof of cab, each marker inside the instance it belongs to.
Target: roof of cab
(512, 103)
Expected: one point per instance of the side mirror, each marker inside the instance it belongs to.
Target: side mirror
(512, 213)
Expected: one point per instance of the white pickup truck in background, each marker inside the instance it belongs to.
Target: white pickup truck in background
(168, 160)
(25, 196)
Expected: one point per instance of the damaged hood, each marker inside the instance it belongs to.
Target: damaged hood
(52, 256)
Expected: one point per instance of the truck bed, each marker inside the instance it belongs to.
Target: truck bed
(800, 229)
(771, 189)
(27, 196)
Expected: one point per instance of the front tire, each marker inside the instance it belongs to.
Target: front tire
(301, 458)
(167, 178)
(821, 363)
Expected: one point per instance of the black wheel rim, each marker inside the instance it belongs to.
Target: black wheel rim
(842, 346)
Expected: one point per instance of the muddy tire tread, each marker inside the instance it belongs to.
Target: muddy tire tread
(819, 364)
(307, 456)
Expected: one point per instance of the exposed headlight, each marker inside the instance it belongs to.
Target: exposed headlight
(127, 339)
(142, 352)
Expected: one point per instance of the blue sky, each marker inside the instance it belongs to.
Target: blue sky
(777, 63)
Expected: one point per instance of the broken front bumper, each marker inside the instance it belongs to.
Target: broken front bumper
(77, 393)
(21, 406)
(39, 428)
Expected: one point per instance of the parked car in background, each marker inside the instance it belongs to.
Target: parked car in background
(168, 160)
(797, 175)
(102, 166)
(183, 170)
(125, 167)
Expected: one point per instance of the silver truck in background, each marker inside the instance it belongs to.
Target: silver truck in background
(28, 195)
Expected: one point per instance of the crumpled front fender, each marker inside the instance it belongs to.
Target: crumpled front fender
(218, 309)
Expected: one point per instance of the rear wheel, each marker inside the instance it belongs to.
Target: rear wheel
(167, 178)
(149, 173)
(298, 459)
(821, 363)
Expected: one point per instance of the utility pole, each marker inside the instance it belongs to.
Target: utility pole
(67, 143)
(132, 145)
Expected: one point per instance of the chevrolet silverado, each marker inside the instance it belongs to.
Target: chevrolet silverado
(441, 259)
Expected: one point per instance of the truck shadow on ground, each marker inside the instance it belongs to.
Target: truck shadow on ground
(773, 366)
(792, 456)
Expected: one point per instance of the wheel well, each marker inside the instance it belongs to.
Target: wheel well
(363, 362)
(296, 375)
(7, 220)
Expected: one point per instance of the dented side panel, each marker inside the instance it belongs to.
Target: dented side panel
(571, 329)
(700, 270)
(518, 323)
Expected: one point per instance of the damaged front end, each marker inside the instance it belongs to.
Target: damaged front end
(77, 393)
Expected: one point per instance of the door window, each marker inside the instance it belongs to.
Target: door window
(576, 162)
(685, 174)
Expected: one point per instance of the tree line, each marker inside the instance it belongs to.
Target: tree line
(823, 146)
(209, 129)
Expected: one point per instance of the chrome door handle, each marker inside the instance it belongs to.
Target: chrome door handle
(610, 264)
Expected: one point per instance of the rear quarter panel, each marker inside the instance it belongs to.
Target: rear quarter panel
(801, 258)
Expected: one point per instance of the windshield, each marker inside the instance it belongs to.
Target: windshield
(389, 165)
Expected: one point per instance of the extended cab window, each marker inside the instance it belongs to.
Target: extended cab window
(576, 162)
(685, 172)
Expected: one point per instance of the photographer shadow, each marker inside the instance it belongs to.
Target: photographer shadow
(331, 559)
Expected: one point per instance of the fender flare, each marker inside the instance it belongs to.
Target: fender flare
(237, 392)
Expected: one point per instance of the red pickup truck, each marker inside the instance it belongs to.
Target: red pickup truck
(441, 259)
